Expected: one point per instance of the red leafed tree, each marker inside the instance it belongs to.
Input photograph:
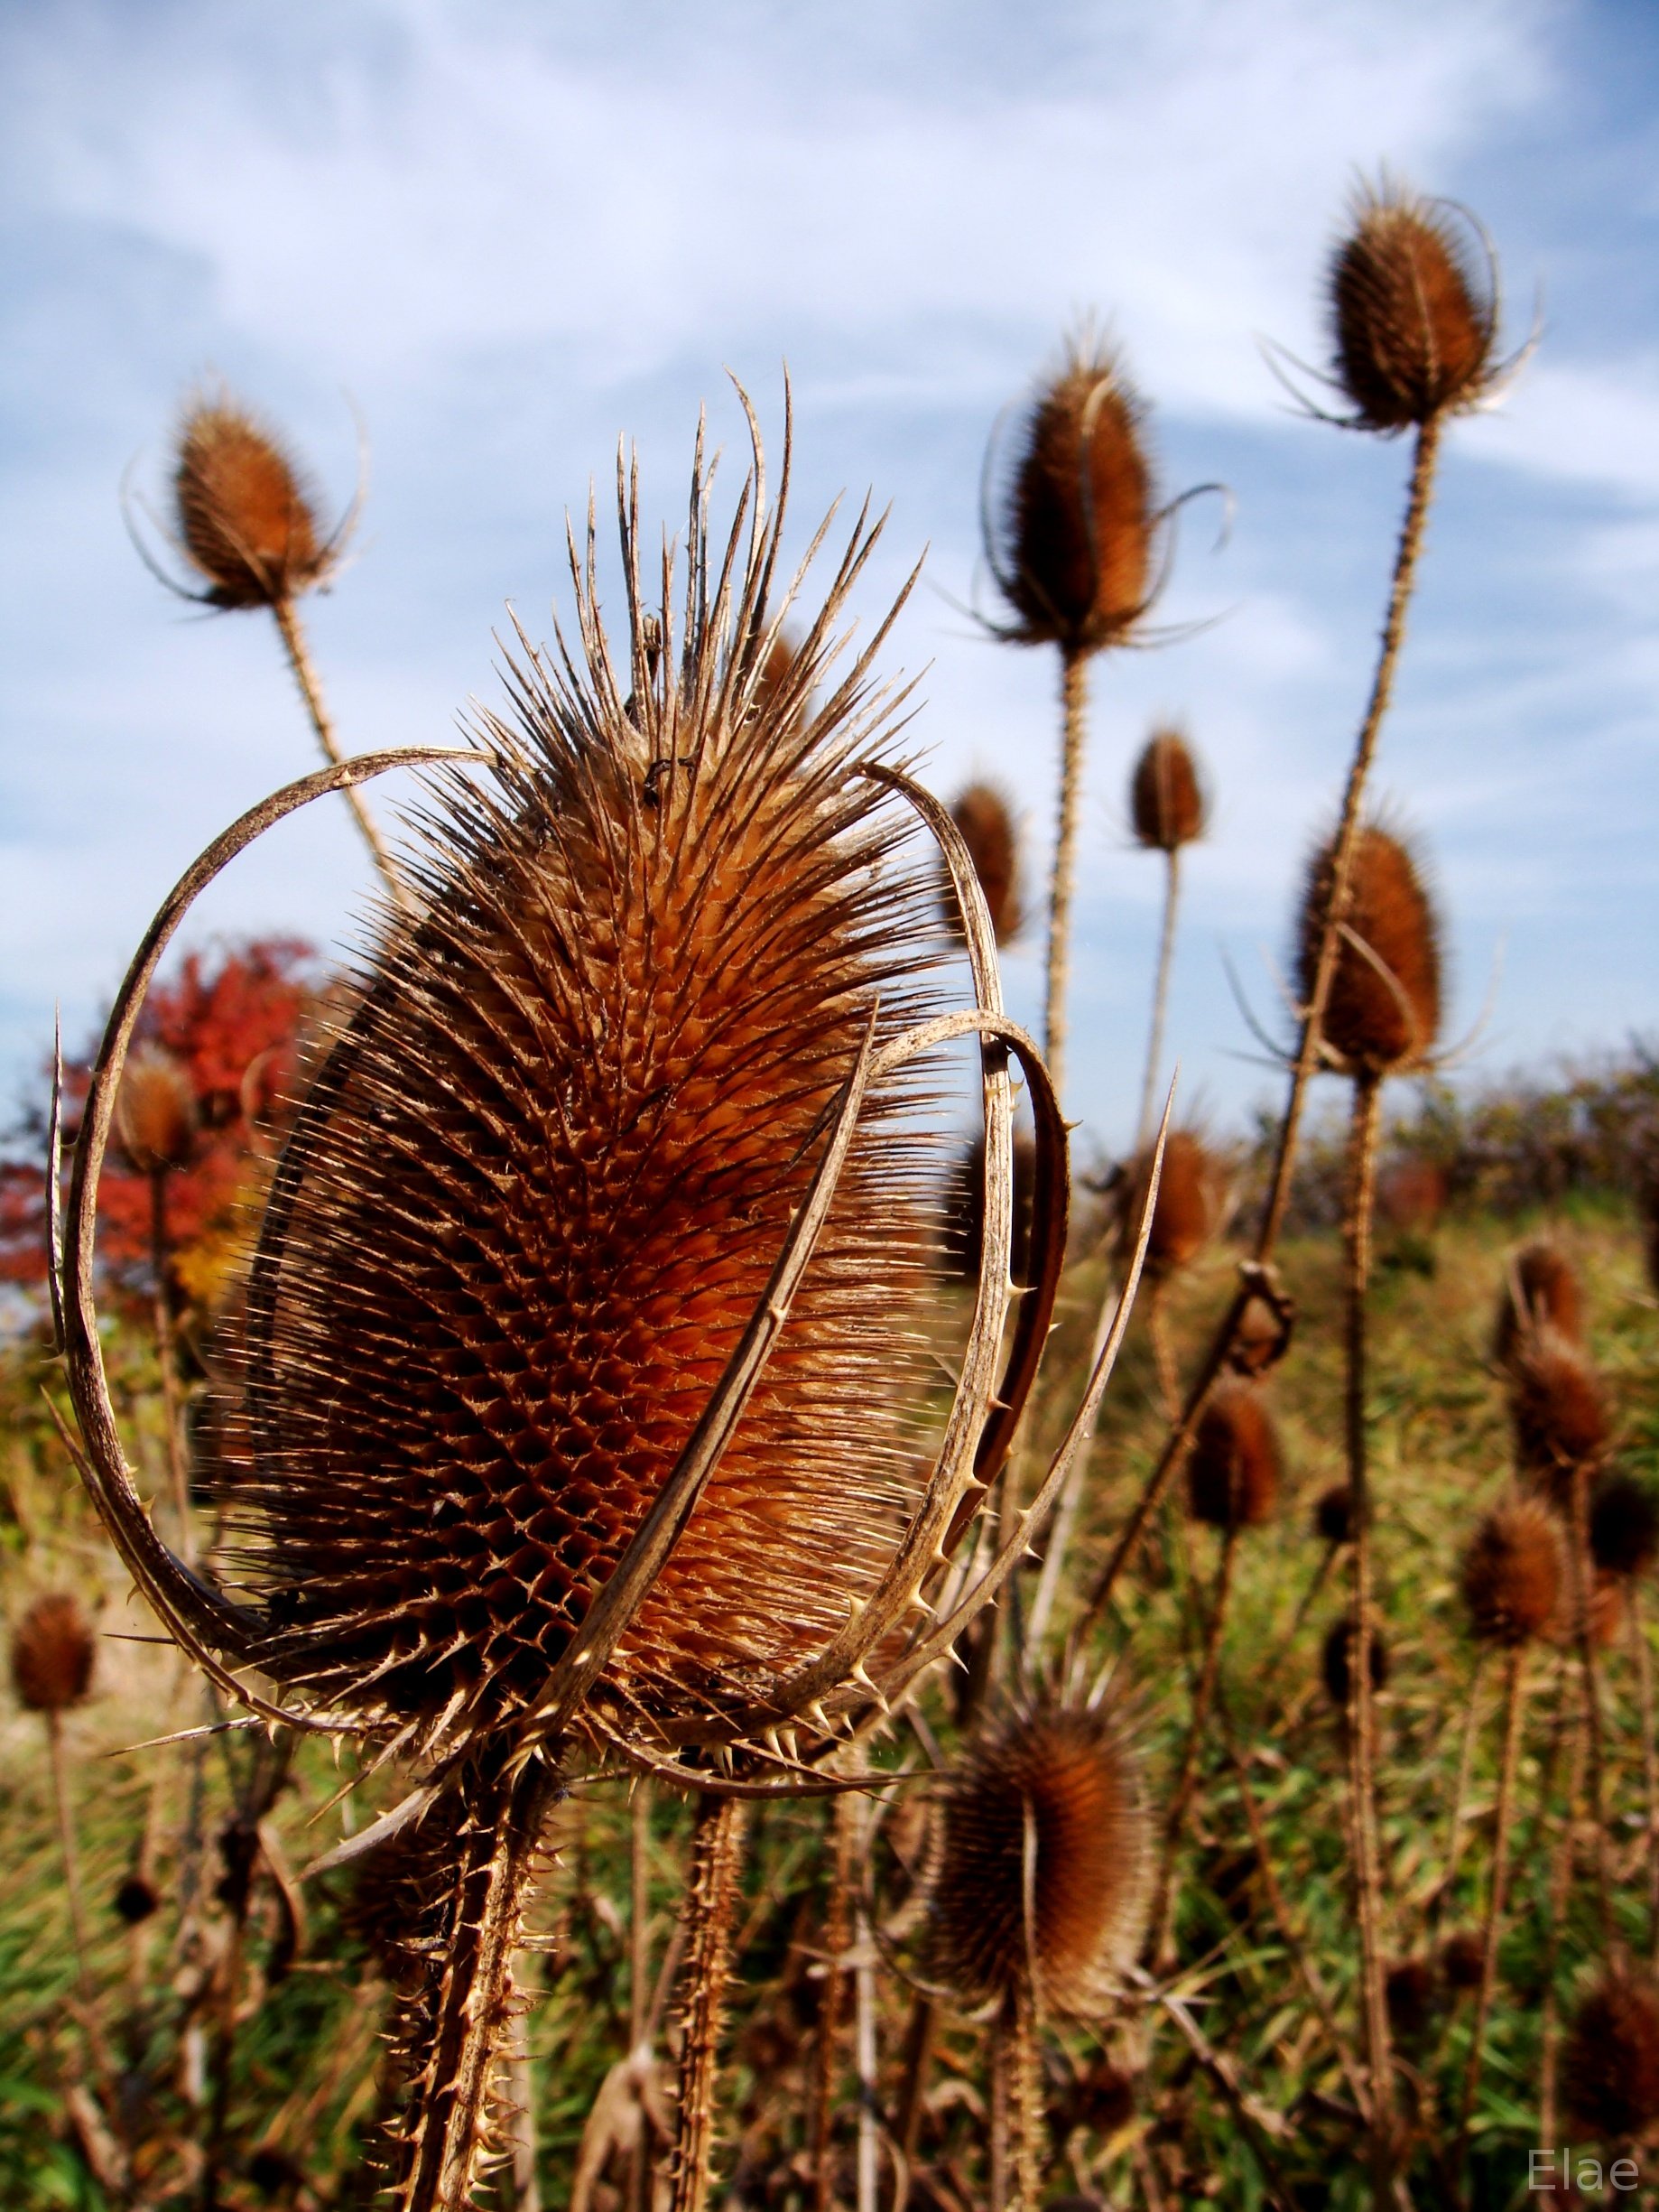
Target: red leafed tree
(231, 1018)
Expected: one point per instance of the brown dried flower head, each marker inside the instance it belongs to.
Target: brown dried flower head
(156, 1112)
(1233, 1469)
(1610, 2059)
(982, 813)
(1414, 318)
(1074, 556)
(1462, 1960)
(1409, 1991)
(1383, 1014)
(1515, 1573)
(53, 1650)
(1624, 1525)
(1188, 1206)
(1168, 805)
(1335, 1660)
(247, 515)
(1043, 1858)
(1333, 1514)
(1559, 1411)
(1541, 1290)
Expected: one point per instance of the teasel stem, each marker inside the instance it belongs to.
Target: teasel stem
(711, 1898)
(1583, 1573)
(1460, 1798)
(1160, 999)
(160, 1309)
(638, 2196)
(1361, 1694)
(868, 2168)
(1017, 2053)
(1515, 1698)
(1164, 1353)
(918, 2062)
(527, 2189)
(1160, 1921)
(311, 692)
(1281, 1650)
(68, 1847)
(1424, 458)
(1074, 708)
(1642, 1652)
(837, 1938)
(1560, 1887)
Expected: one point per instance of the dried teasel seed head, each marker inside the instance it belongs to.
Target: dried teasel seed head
(1624, 1525)
(1462, 1960)
(1410, 1992)
(1514, 1572)
(1333, 1514)
(1101, 2101)
(1541, 1289)
(1413, 318)
(1259, 1339)
(1383, 1014)
(246, 516)
(53, 1650)
(1233, 1469)
(1610, 2057)
(1558, 1410)
(156, 1114)
(537, 1189)
(1076, 557)
(1061, 1782)
(136, 1899)
(1335, 1660)
(964, 1226)
(983, 814)
(1187, 1209)
(1605, 1609)
(1167, 801)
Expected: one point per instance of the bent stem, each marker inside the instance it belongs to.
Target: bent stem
(711, 1898)
(1160, 999)
(1074, 704)
(1515, 1687)
(1361, 1694)
(311, 692)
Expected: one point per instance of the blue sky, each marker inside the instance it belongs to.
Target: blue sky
(508, 230)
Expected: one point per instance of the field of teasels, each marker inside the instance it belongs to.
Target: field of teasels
(606, 1608)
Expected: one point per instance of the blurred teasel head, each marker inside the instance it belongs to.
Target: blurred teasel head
(1074, 552)
(1413, 310)
(1186, 1213)
(1515, 1573)
(982, 813)
(53, 1652)
(1382, 1012)
(1610, 2059)
(246, 512)
(1234, 1466)
(1559, 1412)
(1168, 805)
(1624, 1525)
(156, 1113)
(1541, 1290)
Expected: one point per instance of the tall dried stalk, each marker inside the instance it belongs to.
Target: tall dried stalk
(711, 1898)
(837, 1937)
(1515, 1691)
(1074, 705)
(1561, 1869)
(1589, 1675)
(1160, 998)
(309, 685)
(1160, 1920)
(1642, 1652)
(166, 1356)
(68, 1845)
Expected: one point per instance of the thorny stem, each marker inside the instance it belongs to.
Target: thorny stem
(1561, 1885)
(1650, 1760)
(1583, 1573)
(1021, 2046)
(1361, 1691)
(838, 1935)
(1163, 1896)
(639, 1975)
(1074, 703)
(1308, 1046)
(864, 2030)
(311, 692)
(1316, 1582)
(711, 1897)
(918, 2060)
(72, 1888)
(1459, 1795)
(161, 1310)
(527, 2189)
(1514, 1684)
(1160, 1000)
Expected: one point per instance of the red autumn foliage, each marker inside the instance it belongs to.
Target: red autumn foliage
(231, 1018)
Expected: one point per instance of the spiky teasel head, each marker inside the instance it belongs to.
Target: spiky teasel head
(1168, 805)
(1333, 1514)
(1233, 1469)
(1610, 2059)
(1558, 1409)
(246, 516)
(1462, 1960)
(1413, 317)
(1337, 1660)
(1624, 1526)
(53, 1652)
(156, 1114)
(1074, 554)
(1185, 1214)
(1042, 1861)
(1410, 1992)
(1541, 1290)
(982, 813)
(1382, 1012)
(537, 1188)
(1515, 1573)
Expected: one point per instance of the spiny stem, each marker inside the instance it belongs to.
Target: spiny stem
(1361, 1694)
(1160, 1000)
(1074, 701)
(1163, 1896)
(837, 1937)
(1029, 2124)
(1650, 1760)
(1583, 1576)
(1561, 1886)
(711, 1898)
(1514, 1684)
(71, 1871)
(864, 2028)
(918, 2060)
(1460, 1798)
(1316, 1582)
(639, 1977)
(311, 692)
(161, 1312)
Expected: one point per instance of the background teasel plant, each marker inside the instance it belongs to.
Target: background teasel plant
(1169, 809)
(617, 1101)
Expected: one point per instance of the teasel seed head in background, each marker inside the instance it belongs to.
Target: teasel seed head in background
(1333, 1514)
(1335, 1660)
(1413, 314)
(1559, 1411)
(246, 512)
(982, 813)
(1233, 1471)
(1383, 1014)
(1515, 1573)
(1168, 805)
(1074, 552)
(1624, 1525)
(53, 1653)
(1060, 1784)
(1462, 1960)
(1541, 1289)
(1186, 1213)
(1609, 2066)
(157, 1115)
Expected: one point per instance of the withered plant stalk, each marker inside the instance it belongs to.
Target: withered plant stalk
(1515, 1700)
(1160, 998)
(1459, 1795)
(1304, 1606)
(1160, 1925)
(1642, 1654)
(1590, 1673)
(311, 692)
(161, 1309)
(1163, 1351)
(1561, 1868)
(67, 1846)
(711, 1898)
(837, 1937)
(1074, 707)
